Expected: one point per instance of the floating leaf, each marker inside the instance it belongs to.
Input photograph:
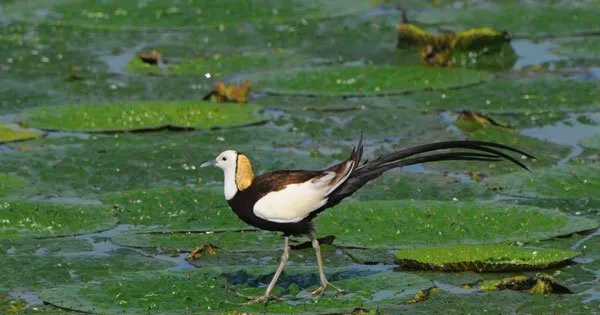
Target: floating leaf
(8, 134)
(175, 208)
(368, 80)
(592, 142)
(218, 65)
(486, 258)
(392, 224)
(516, 96)
(533, 284)
(39, 271)
(567, 181)
(146, 115)
(177, 292)
(130, 14)
(405, 223)
(540, 20)
(19, 219)
(10, 184)
(546, 153)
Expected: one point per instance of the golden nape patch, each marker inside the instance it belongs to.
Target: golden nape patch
(244, 174)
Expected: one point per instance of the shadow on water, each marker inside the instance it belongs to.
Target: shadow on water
(303, 280)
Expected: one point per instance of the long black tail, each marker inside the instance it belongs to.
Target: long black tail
(478, 151)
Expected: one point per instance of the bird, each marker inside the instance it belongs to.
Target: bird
(287, 201)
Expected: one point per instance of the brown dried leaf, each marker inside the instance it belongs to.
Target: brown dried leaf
(151, 58)
(223, 93)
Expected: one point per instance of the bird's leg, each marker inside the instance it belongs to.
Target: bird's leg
(324, 282)
(284, 258)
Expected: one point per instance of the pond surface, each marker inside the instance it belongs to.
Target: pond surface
(102, 198)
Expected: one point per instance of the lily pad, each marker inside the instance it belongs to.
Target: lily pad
(565, 182)
(368, 80)
(10, 184)
(482, 258)
(546, 153)
(399, 224)
(8, 134)
(20, 219)
(592, 142)
(186, 241)
(130, 14)
(540, 20)
(218, 65)
(175, 208)
(178, 292)
(516, 96)
(586, 47)
(148, 115)
(407, 223)
(30, 271)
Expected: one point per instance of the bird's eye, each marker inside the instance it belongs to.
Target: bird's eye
(224, 158)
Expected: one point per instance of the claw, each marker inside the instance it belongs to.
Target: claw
(261, 298)
(320, 290)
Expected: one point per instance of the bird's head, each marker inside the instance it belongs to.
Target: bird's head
(237, 169)
(227, 160)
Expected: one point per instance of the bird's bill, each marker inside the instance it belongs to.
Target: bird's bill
(209, 163)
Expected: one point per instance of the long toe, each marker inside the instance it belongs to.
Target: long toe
(321, 289)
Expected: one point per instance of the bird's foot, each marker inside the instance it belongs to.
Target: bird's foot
(253, 299)
(206, 248)
(320, 290)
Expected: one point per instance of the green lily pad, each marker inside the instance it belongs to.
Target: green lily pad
(407, 223)
(8, 134)
(131, 14)
(399, 224)
(546, 153)
(186, 241)
(517, 96)
(10, 184)
(31, 247)
(175, 208)
(540, 20)
(146, 115)
(592, 142)
(482, 258)
(178, 292)
(30, 271)
(368, 80)
(121, 162)
(20, 219)
(219, 65)
(565, 182)
(586, 47)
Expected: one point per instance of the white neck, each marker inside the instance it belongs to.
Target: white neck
(230, 186)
